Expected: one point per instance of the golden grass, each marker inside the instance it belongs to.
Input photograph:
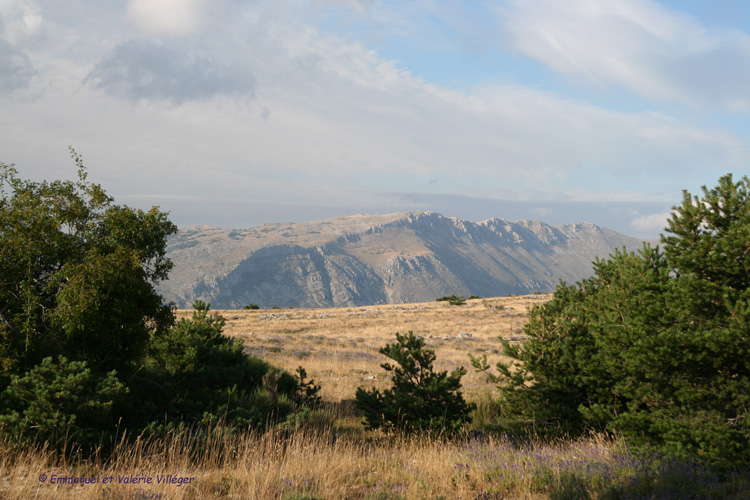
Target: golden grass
(339, 346)
(316, 463)
(331, 456)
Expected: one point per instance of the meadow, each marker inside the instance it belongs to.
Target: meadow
(327, 453)
(338, 347)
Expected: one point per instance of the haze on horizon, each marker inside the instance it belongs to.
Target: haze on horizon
(236, 113)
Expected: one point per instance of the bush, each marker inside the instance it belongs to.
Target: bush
(654, 346)
(453, 300)
(206, 376)
(61, 402)
(307, 391)
(420, 399)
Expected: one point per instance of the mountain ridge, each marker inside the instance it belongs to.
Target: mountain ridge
(363, 259)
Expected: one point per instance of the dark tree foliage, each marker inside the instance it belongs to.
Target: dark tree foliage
(455, 300)
(77, 274)
(61, 402)
(655, 346)
(88, 346)
(710, 241)
(307, 390)
(203, 375)
(420, 398)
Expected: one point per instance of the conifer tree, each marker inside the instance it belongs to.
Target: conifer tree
(420, 398)
(656, 345)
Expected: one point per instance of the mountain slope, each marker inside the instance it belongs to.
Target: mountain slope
(394, 258)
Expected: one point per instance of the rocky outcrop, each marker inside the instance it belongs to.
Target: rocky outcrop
(394, 258)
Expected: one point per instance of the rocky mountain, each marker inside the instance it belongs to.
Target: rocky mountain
(380, 259)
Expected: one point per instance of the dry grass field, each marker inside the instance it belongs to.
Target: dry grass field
(339, 346)
(330, 456)
(317, 465)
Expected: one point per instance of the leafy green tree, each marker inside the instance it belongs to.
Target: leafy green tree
(582, 344)
(710, 239)
(78, 274)
(84, 335)
(654, 346)
(420, 398)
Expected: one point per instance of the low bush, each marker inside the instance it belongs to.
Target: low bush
(452, 300)
(201, 375)
(60, 402)
(420, 398)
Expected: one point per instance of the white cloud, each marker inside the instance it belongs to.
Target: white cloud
(265, 104)
(19, 19)
(330, 108)
(143, 70)
(170, 17)
(654, 52)
(16, 69)
(652, 223)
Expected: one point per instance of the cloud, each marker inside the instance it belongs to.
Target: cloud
(139, 70)
(330, 110)
(170, 17)
(638, 44)
(542, 212)
(16, 69)
(19, 19)
(652, 222)
(360, 6)
(315, 117)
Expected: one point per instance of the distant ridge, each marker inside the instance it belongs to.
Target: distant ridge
(380, 259)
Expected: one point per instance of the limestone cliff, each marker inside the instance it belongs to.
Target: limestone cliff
(394, 258)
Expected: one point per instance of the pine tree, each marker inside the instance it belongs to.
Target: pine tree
(420, 398)
(655, 346)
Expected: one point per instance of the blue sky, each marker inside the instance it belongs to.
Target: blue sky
(237, 113)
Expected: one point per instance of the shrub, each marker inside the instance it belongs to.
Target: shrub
(60, 401)
(420, 399)
(307, 391)
(452, 300)
(79, 278)
(206, 376)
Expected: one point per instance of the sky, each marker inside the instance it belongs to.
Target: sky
(235, 113)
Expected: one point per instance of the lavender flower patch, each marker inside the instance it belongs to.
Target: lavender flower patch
(137, 494)
(258, 351)
(298, 485)
(356, 356)
(593, 469)
(673, 479)
(298, 354)
(384, 490)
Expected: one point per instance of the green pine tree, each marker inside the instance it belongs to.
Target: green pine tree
(420, 398)
(656, 345)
